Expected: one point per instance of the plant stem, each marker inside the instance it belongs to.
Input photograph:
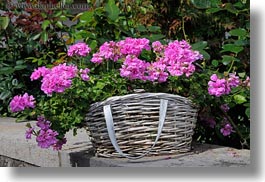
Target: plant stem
(183, 29)
(231, 66)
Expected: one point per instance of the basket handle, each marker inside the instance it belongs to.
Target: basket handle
(111, 132)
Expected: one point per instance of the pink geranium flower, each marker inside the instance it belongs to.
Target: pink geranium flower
(20, 103)
(227, 130)
(78, 49)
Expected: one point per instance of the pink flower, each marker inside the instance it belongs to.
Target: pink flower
(233, 80)
(179, 57)
(19, 103)
(43, 123)
(108, 51)
(227, 130)
(47, 138)
(58, 78)
(84, 73)
(156, 71)
(40, 72)
(58, 145)
(29, 132)
(218, 87)
(97, 58)
(134, 68)
(157, 46)
(133, 46)
(78, 49)
(247, 82)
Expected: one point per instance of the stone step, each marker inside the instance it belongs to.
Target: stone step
(16, 151)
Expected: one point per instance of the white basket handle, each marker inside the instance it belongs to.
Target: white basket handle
(111, 132)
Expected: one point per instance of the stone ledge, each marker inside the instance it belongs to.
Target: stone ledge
(16, 151)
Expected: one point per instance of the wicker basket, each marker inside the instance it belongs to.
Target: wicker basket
(141, 124)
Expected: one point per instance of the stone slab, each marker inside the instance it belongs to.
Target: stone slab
(14, 145)
(202, 155)
(78, 152)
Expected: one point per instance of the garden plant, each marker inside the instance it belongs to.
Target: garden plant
(52, 71)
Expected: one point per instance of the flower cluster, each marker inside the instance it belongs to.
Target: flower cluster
(115, 50)
(134, 68)
(174, 59)
(20, 103)
(179, 56)
(106, 51)
(58, 78)
(227, 129)
(219, 87)
(133, 46)
(79, 49)
(45, 136)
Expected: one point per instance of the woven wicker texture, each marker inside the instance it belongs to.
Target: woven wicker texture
(136, 119)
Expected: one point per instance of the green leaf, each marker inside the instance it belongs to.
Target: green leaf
(58, 14)
(19, 62)
(241, 42)
(63, 18)
(5, 94)
(238, 32)
(59, 24)
(36, 36)
(205, 4)
(232, 48)
(227, 59)
(155, 37)
(230, 7)
(240, 5)
(205, 54)
(239, 99)
(141, 28)
(213, 10)
(199, 45)
(100, 85)
(247, 112)
(4, 21)
(44, 36)
(6, 70)
(87, 17)
(154, 28)
(93, 44)
(112, 10)
(215, 63)
(45, 24)
(20, 67)
(242, 75)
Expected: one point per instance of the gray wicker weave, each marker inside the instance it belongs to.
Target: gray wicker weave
(136, 120)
